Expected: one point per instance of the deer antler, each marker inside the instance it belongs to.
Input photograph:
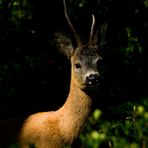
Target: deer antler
(93, 37)
(92, 27)
(76, 35)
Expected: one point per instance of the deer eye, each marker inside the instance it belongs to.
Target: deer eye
(78, 65)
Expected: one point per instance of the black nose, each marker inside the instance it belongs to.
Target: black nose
(92, 79)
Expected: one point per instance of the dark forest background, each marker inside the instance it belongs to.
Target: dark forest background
(35, 77)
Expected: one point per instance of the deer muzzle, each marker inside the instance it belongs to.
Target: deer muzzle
(92, 80)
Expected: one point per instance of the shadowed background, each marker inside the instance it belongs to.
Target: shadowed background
(35, 77)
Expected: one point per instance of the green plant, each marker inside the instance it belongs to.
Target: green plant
(129, 132)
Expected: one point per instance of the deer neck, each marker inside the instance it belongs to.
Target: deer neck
(76, 110)
(78, 101)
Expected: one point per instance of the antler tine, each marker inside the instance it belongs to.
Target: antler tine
(92, 28)
(77, 37)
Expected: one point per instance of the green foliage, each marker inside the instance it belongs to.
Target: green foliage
(133, 43)
(18, 10)
(129, 132)
(146, 3)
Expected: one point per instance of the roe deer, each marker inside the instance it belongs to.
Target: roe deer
(56, 129)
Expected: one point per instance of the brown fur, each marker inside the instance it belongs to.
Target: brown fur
(59, 128)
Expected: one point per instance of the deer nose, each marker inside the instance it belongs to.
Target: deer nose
(92, 79)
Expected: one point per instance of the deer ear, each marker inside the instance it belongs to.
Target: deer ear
(64, 44)
(94, 40)
(103, 33)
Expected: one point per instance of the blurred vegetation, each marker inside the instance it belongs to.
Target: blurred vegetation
(32, 71)
(128, 132)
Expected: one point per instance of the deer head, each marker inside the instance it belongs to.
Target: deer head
(85, 58)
